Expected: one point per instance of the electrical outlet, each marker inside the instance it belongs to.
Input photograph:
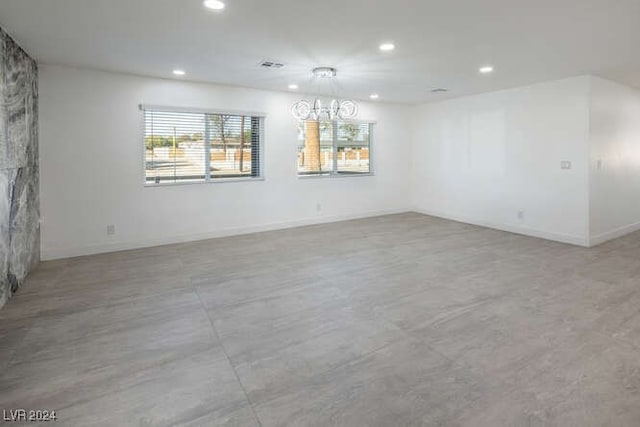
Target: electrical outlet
(599, 165)
(318, 207)
(520, 215)
(565, 164)
(111, 229)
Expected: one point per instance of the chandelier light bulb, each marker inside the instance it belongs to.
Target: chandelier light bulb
(333, 109)
(324, 72)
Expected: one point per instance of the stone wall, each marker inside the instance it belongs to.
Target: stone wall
(19, 173)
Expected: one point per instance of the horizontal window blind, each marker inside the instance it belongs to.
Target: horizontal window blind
(334, 148)
(199, 147)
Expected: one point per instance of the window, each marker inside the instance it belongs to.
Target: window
(334, 148)
(200, 147)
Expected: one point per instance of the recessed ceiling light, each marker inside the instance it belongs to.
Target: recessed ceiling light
(293, 86)
(387, 47)
(214, 4)
(486, 69)
(374, 96)
(179, 72)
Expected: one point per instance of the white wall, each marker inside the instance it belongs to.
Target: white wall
(91, 155)
(479, 159)
(482, 159)
(615, 160)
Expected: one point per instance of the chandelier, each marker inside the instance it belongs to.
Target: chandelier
(333, 109)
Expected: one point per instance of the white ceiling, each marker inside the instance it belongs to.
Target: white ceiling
(440, 43)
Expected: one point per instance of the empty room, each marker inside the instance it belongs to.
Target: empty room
(320, 213)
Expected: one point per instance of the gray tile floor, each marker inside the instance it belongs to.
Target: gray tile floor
(402, 320)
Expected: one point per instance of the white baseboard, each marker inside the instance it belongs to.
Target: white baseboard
(614, 234)
(52, 252)
(511, 228)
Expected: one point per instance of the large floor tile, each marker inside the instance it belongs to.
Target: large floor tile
(62, 356)
(328, 341)
(281, 320)
(404, 384)
(199, 389)
(251, 285)
(588, 381)
(80, 297)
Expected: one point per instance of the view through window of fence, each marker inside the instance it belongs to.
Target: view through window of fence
(334, 148)
(200, 147)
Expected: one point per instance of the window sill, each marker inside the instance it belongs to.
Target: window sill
(211, 181)
(328, 176)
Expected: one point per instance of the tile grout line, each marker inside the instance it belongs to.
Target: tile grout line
(224, 350)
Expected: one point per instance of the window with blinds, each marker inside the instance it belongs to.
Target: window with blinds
(183, 146)
(334, 148)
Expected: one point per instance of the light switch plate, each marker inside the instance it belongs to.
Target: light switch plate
(565, 165)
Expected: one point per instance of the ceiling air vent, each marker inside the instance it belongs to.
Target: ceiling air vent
(439, 90)
(271, 64)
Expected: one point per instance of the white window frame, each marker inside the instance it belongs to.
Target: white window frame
(333, 173)
(207, 179)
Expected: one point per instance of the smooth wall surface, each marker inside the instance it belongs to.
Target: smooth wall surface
(615, 160)
(19, 199)
(495, 160)
(92, 167)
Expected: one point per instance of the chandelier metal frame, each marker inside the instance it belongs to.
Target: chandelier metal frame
(334, 109)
